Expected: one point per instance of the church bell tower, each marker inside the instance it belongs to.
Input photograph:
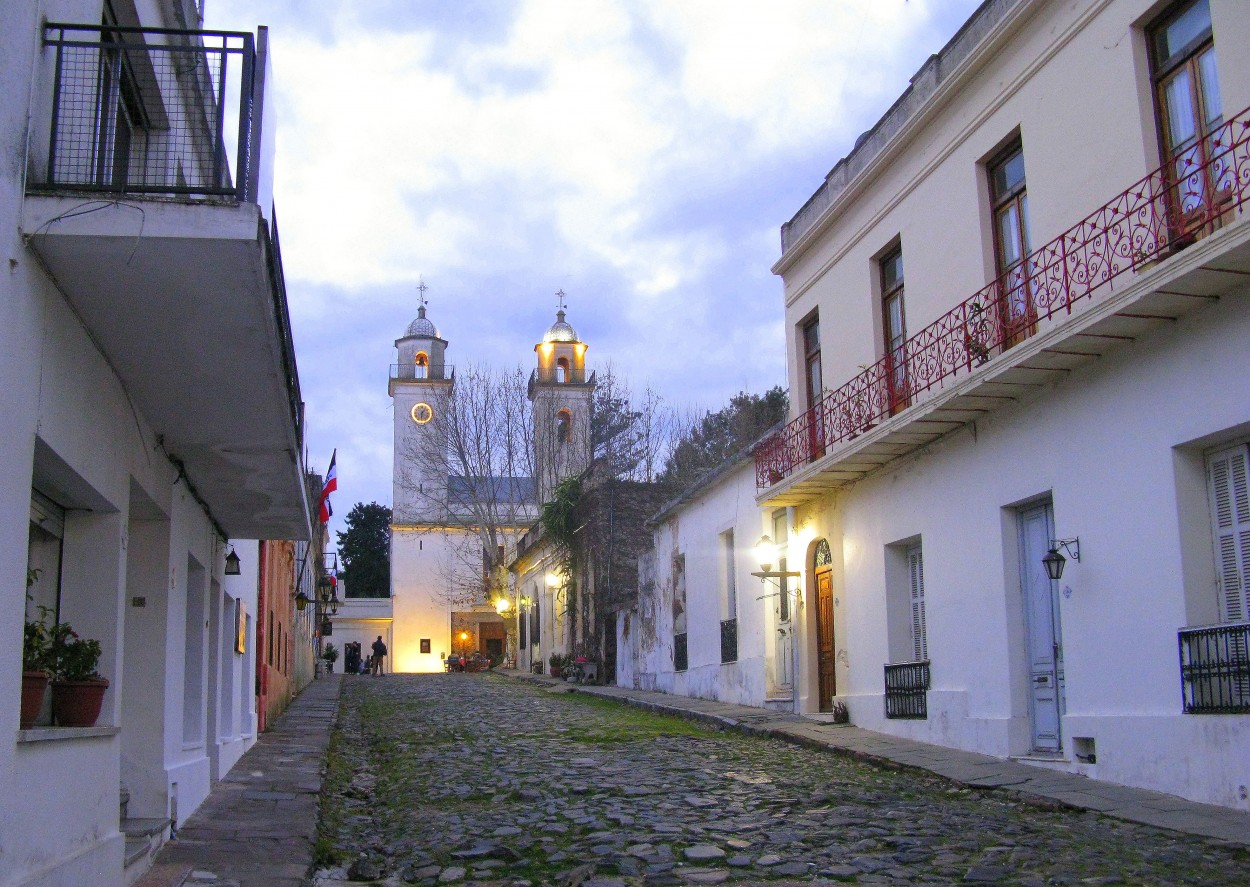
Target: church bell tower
(561, 396)
(420, 386)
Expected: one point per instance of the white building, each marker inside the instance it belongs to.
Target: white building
(152, 412)
(1018, 321)
(703, 625)
(448, 477)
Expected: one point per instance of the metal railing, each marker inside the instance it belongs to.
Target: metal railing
(410, 372)
(1215, 669)
(151, 111)
(1165, 211)
(729, 640)
(559, 376)
(907, 689)
(680, 658)
(282, 318)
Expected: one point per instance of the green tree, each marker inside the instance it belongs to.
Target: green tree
(723, 434)
(365, 551)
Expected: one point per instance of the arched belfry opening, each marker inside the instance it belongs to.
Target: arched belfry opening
(422, 365)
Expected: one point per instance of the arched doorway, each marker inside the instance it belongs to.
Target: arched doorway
(822, 580)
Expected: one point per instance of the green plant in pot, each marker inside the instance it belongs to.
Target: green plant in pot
(36, 664)
(330, 654)
(77, 687)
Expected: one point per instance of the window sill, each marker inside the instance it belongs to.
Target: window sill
(56, 734)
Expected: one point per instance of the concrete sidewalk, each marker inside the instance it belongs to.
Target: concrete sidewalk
(967, 768)
(258, 825)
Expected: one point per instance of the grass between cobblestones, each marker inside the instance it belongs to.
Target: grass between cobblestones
(477, 779)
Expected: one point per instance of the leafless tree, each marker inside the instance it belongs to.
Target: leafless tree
(473, 473)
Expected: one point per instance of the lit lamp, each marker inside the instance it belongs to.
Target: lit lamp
(553, 580)
(301, 600)
(502, 605)
(766, 553)
(232, 562)
(1054, 561)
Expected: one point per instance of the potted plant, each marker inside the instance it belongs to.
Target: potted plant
(330, 655)
(36, 668)
(556, 661)
(77, 687)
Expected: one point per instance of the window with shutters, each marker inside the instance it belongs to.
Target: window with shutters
(1227, 472)
(1215, 659)
(915, 585)
(907, 672)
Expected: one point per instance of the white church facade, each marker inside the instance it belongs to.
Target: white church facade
(440, 570)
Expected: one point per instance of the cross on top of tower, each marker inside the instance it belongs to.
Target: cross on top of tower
(421, 298)
(560, 300)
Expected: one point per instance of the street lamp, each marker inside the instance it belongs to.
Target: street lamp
(232, 562)
(1054, 561)
(766, 553)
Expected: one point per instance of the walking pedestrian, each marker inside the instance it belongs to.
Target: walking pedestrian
(379, 651)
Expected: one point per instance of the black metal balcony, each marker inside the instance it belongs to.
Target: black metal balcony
(729, 640)
(907, 689)
(1215, 669)
(680, 659)
(151, 111)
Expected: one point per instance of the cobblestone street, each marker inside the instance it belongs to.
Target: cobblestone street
(439, 779)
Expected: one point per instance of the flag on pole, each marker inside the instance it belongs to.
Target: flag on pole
(332, 484)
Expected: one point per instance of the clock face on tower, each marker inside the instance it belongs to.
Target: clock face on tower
(421, 413)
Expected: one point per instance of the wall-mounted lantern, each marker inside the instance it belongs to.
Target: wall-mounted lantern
(1054, 561)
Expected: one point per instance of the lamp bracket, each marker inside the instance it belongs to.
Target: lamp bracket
(1071, 546)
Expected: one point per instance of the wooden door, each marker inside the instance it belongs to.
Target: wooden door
(824, 639)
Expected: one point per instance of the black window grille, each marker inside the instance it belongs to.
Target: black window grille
(679, 652)
(729, 640)
(151, 110)
(1215, 669)
(907, 690)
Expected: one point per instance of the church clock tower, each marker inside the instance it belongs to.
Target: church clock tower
(420, 385)
(561, 396)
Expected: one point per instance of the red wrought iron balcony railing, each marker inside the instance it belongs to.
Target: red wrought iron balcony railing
(1165, 211)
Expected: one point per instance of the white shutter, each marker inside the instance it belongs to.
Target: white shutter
(1228, 471)
(915, 572)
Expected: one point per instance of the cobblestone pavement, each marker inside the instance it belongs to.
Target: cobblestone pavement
(476, 779)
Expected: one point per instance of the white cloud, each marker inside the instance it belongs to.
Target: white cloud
(641, 155)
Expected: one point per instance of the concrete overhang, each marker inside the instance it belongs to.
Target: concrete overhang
(185, 300)
(1127, 310)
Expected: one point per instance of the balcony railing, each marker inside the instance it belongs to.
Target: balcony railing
(558, 376)
(1168, 209)
(729, 640)
(907, 690)
(680, 657)
(1215, 669)
(151, 111)
(282, 318)
(409, 372)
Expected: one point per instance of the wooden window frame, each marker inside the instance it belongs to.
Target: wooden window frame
(1017, 325)
(896, 375)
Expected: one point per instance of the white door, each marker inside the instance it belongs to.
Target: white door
(1042, 630)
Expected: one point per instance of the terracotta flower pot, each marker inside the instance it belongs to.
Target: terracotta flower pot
(78, 703)
(34, 685)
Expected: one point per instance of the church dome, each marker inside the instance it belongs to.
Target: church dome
(560, 331)
(423, 326)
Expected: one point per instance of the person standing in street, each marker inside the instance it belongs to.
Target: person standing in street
(379, 651)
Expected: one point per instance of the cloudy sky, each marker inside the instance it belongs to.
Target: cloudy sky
(641, 156)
